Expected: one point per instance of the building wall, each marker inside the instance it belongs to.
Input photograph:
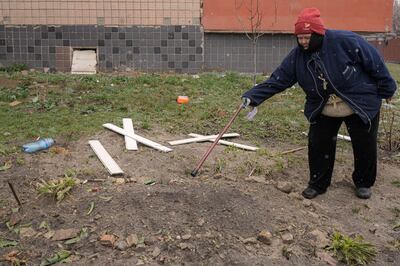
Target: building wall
(164, 48)
(100, 12)
(280, 15)
(142, 35)
(390, 49)
(163, 35)
(234, 51)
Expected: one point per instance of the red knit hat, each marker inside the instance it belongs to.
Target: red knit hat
(309, 21)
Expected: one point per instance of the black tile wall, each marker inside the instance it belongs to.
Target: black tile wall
(164, 48)
(226, 51)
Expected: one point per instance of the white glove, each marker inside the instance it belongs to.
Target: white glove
(246, 102)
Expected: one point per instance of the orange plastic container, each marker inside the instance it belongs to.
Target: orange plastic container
(182, 99)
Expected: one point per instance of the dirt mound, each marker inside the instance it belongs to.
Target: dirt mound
(157, 213)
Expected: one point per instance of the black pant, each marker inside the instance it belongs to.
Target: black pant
(322, 148)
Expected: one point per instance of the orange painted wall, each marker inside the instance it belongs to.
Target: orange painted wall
(280, 15)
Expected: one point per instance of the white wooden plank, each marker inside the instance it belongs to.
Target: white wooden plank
(130, 143)
(228, 143)
(136, 137)
(202, 138)
(105, 158)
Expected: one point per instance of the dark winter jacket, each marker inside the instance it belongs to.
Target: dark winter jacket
(351, 66)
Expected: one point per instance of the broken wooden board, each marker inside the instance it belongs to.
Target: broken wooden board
(138, 138)
(201, 138)
(105, 158)
(130, 143)
(228, 143)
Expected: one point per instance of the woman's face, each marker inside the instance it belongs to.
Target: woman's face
(304, 40)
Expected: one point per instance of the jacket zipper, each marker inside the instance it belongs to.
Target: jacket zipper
(342, 95)
(316, 87)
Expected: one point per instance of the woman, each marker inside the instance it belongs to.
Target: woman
(345, 80)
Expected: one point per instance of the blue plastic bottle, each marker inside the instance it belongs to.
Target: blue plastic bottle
(39, 145)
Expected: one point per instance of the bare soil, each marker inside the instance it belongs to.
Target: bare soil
(213, 219)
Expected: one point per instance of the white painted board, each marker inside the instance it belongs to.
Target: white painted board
(105, 158)
(228, 143)
(136, 137)
(201, 138)
(130, 143)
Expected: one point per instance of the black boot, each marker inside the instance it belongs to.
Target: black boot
(363, 192)
(310, 193)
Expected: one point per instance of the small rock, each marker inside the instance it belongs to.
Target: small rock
(49, 234)
(256, 179)
(265, 237)
(63, 234)
(217, 176)
(307, 203)
(186, 237)
(284, 186)
(156, 252)
(121, 245)
(325, 257)
(27, 232)
(140, 247)
(201, 222)
(119, 181)
(208, 235)
(132, 240)
(183, 246)
(295, 195)
(14, 219)
(140, 262)
(313, 215)
(24, 73)
(161, 260)
(318, 238)
(249, 248)
(287, 238)
(151, 240)
(97, 217)
(250, 240)
(107, 240)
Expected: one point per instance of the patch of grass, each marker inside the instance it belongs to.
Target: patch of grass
(219, 165)
(352, 251)
(12, 94)
(56, 188)
(396, 183)
(65, 106)
(355, 210)
(13, 68)
(251, 167)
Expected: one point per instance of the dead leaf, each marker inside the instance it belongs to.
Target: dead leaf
(59, 150)
(14, 103)
(7, 165)
(64, 234)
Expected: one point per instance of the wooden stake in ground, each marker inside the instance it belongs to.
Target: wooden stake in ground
(13, 192)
